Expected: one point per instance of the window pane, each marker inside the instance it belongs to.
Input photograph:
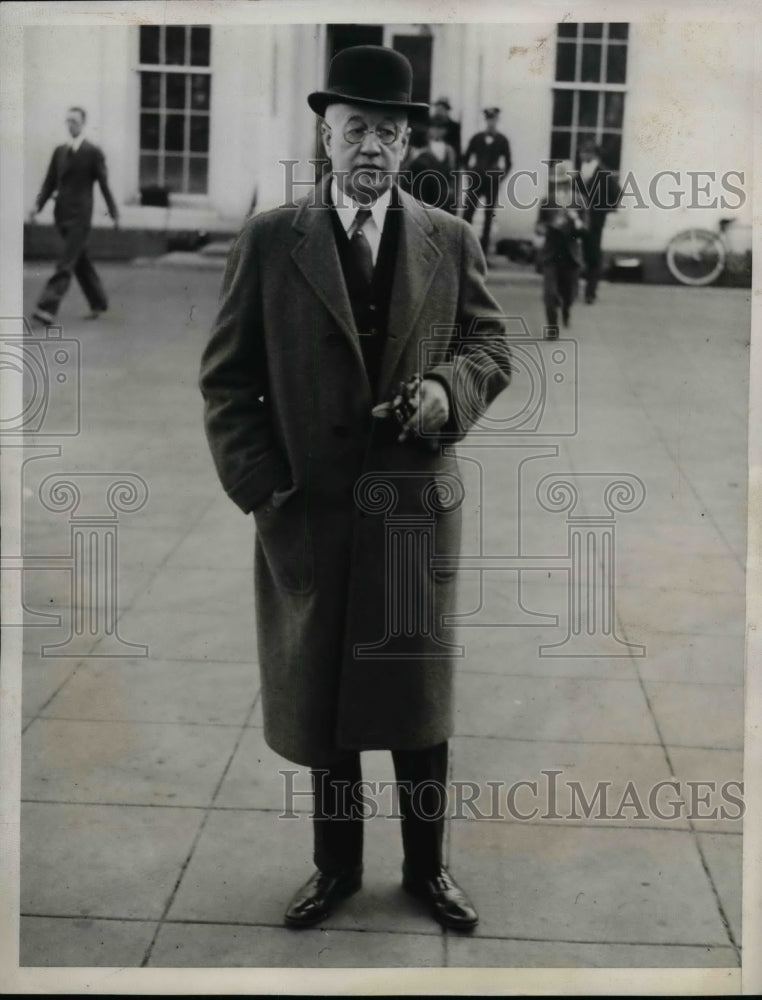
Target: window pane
(197, 182)
(149, 131)
(149, 170)
(173, 172)
(200, 87)
(174, 137)
(567, 30)
(560, 146)
(585, 137)
(614, 110)
(149, 45)
(592, 30)
(563, 101)
(611, 149)
(591, 63)
(588, 108)
(619, 29)
(150, 90)
(617, 64)
(175, 45)
(200, 46)
(176, 90)
(199, 134)
(565, 56)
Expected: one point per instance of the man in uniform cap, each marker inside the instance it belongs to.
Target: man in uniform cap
(328, 401)
(442, 109)
(488, 160)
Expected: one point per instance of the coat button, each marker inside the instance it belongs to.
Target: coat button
(372, 307)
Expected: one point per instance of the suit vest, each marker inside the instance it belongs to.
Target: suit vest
(370, 304)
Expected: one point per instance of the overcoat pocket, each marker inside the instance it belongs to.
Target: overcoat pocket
(285, 535)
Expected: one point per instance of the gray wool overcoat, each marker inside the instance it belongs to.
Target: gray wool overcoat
(354, 651)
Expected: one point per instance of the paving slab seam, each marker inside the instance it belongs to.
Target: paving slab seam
(138, 722)
(393, 932)
(468, 671)
(694, 834)
(203, 510)
(55, 692)
(555, 739)
(207, 812)
(305, 814)
(723, 915)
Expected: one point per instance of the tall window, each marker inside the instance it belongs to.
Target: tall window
(175, 94)
(589, 93)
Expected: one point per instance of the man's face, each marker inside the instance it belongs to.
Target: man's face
(491, 125)
(74, 123)
(364, 169)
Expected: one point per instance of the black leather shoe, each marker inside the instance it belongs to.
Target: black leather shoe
(320, 895)
(447, 901)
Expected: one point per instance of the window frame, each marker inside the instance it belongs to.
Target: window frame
(578, 85)
(187, 69)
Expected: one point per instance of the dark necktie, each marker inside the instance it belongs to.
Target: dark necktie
(360, 247)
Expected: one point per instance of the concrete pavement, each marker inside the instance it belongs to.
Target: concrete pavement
(150, 830)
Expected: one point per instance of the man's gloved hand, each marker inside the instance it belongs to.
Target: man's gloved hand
(430, 409)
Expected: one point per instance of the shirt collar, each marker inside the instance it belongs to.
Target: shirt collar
(76, 143)
(346, 209)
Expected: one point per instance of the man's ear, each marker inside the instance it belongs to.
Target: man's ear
(325, 135)
(407, 132)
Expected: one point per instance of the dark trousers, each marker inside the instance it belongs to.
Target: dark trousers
(591, 249)
(73, 260)
(486, 191)
(421, 789)
(559, 287)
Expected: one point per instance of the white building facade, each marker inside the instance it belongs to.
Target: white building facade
(207, 112)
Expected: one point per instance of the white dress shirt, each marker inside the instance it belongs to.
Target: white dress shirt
(346, 209)
(75, 143)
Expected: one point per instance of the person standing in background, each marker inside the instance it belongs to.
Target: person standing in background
(598, 193)
(488, 161)
(74, 168)
(432, 172)
(557, 237)
(442, 109)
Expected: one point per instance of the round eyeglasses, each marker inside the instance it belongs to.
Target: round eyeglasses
(387, 135)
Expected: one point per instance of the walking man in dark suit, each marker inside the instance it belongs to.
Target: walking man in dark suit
(487, 160)
(598, 193)
(74, 167)
(356, 337)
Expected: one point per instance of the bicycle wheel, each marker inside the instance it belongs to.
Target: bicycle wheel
(696, 257)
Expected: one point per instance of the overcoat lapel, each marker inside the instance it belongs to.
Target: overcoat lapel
(417, 259)
(317, 257)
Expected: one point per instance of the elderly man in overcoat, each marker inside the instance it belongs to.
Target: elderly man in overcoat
(355, 340)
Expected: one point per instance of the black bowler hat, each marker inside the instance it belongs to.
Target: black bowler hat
(371, 75)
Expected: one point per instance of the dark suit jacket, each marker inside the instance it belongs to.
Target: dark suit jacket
(488, 149)
(72, 176)
(562, 237)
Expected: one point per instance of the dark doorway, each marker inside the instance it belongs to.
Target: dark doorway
(342, 36)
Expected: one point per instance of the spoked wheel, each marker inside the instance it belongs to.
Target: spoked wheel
(696, 257)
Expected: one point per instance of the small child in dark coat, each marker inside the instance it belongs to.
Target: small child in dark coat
(557, 239)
